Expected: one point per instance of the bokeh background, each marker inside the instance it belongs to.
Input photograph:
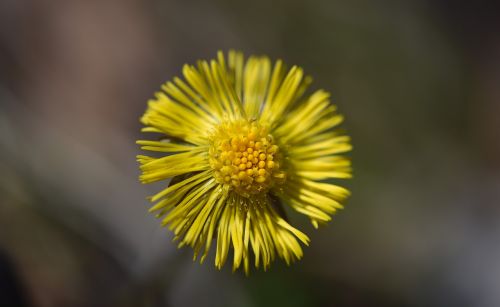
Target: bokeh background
(418, 82)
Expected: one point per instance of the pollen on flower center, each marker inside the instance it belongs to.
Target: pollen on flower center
(244, 157)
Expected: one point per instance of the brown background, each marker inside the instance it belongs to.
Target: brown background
(418, 82)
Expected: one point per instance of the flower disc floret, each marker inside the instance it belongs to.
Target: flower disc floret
(244, 157)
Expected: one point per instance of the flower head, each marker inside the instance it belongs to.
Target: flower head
(241, 141)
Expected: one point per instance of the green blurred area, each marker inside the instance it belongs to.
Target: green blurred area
(417, 81)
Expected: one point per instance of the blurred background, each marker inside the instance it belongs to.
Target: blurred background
(418, 82)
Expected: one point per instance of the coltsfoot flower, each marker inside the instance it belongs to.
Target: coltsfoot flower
(241, 141)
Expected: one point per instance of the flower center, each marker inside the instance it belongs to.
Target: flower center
(244, 157)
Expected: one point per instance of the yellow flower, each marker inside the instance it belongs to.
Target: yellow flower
(241, 140)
